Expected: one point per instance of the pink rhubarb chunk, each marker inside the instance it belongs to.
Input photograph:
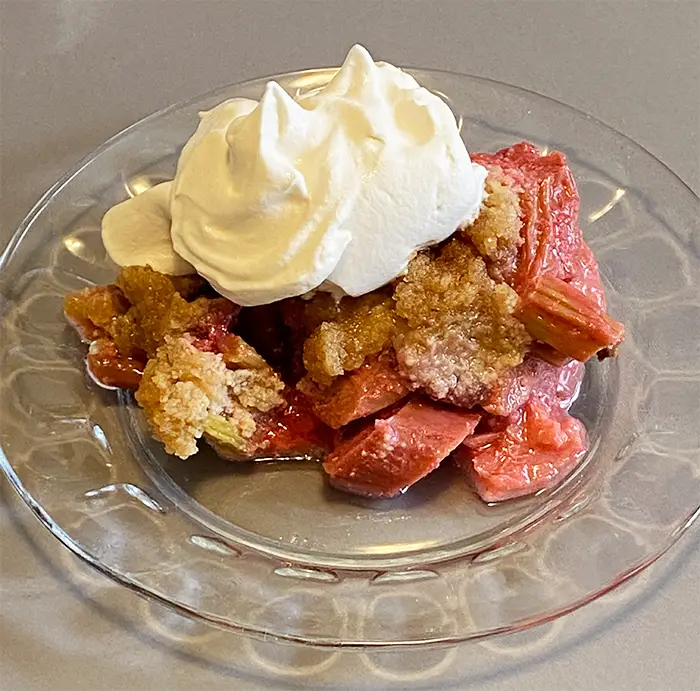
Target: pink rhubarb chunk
(555, 385)
(535, 448)
(389, 455)
(374, 386)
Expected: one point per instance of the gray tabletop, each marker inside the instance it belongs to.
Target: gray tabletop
(75, 72)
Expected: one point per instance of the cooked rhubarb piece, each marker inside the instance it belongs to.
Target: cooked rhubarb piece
(391, 454)
(560, 315)
(548, 354)
(291, 430)
(549, 206)
(230, 435)
(555, 384)
(562, 300)
(373, 387)
(539, 236)
(108, 367)
(535, 449)
(584, 275)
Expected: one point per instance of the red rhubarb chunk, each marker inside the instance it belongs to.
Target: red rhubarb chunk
(110, 368)
(374, 386)
(535, 449)
(552, 239)
(555, 384)
(389, 455)
(214, 324)
(292, 430)
(560, 315)
(585, 275)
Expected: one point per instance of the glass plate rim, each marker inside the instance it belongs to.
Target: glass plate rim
(260, 634)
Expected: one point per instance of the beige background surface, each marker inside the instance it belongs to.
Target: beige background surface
(74, 72)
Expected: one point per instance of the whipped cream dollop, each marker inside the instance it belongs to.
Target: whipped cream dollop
(334, 190)
(137, 232)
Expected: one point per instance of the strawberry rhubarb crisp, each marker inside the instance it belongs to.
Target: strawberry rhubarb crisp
(315, 297)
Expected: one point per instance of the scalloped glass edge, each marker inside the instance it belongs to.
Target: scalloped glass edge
(268, 636)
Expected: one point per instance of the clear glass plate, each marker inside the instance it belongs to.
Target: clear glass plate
(269, 549)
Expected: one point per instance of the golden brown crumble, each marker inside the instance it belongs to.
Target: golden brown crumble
(253, 383)
(93, 310)
(460, 313)
(259, 389)
(346, 333)
(180, 388)
(184, 390)
(239, 355)
(157, 309)
(190, 285)
(460, 332)
(496, 231)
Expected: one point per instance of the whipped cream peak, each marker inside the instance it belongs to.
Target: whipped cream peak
(333, 190)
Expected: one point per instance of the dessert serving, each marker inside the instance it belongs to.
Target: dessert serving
(333, 276)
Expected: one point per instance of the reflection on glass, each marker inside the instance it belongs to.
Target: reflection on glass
(443, 96)
(619, 193)
(73, 245)
(395, 547)
(138, 185)
(312, 80)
